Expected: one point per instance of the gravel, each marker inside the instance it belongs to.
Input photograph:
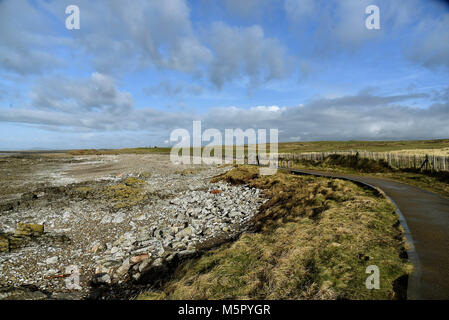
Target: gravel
(107, 246)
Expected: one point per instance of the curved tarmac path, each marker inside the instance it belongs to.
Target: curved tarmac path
(426, 226)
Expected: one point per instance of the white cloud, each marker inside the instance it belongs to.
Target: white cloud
(362, 116)
(99, 92)
(246, 52)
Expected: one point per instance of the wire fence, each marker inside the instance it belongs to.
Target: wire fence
(395, 160)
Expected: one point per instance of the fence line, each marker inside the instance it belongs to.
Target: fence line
(395, 160)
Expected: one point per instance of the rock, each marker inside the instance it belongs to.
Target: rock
(139, 258)
(145, 265)
(115, 250)
(183, 233)
(123, 269)
(102, 269)
(51, 272)
(52, 260)
(157, 263)
(95, 247)
(101, 278)
(136, 276)
(179, 246)
(186, 254)
(119, 218)
(106, 219)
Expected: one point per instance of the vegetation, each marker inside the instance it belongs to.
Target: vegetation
(84, 152)
(418, 147)
(126, 194)
(433, 181)
(374, 146)
(313, 239)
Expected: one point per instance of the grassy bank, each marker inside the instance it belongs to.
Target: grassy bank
(433, 181)
(313, 239)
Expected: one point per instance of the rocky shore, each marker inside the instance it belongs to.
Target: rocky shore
(116, 229)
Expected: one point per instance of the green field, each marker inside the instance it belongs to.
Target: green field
(296, 147)
(374, 146)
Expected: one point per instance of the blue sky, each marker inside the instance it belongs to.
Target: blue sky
(135, 71)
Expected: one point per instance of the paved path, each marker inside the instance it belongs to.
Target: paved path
(427, 219)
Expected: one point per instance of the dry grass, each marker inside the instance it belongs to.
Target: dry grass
(313, 239)
(422, 152)
(126, 194)
(84, 152)
(433, 181)
(375, 146)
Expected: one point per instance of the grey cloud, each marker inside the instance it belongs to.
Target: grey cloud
(99, 92)
(361, 116)
(364, 100)
(138, 35)
(336, 25)
(340, 25)
(159, 34)
(167, 88)
(23, 47)
(431, 47)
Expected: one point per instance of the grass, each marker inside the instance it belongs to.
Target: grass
(126, 194)
(433, 181)
(419, 147)
(313, 239)
(373, 146)
(84, 152)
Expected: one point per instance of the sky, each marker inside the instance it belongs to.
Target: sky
(134, 71)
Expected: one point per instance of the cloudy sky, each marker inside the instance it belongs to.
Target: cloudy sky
(137, 70)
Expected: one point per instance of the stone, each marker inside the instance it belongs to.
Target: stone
(102, 269)
(52, 260)
(119, 218)
(136, 276)
(186, 253)
(115, 250)
(95, 247)
(145, 265)
(139, 258)
(158, 262)
(123, 269)
(101, 278)
(183, 233)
